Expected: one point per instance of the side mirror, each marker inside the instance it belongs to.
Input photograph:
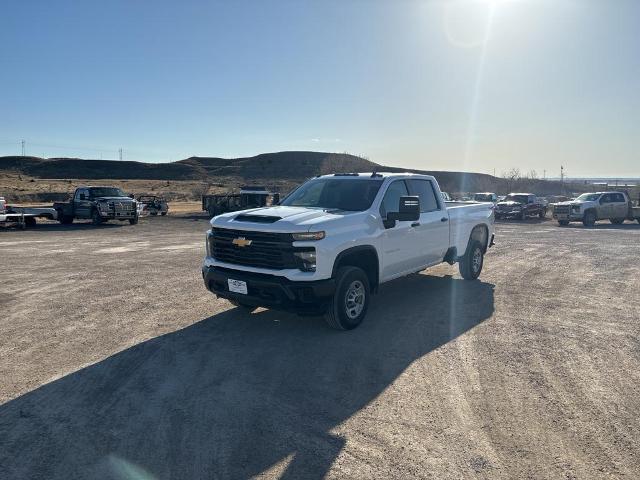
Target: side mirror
(131, 195)
(408, 210)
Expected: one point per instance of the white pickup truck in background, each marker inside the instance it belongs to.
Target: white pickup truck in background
(336, 238)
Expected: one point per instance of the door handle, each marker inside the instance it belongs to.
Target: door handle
(415, 224)
(444, 219)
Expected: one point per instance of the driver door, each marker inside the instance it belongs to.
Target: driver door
(400, 249)
(82, 204)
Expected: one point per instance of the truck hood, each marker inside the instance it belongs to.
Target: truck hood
(115, 199)
(285, 219)
(575, 202)
(510, 203)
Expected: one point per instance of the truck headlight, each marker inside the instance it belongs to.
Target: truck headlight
(306, 259)
(575, 208)
(302, 236)
(103, 206)
(207, 243)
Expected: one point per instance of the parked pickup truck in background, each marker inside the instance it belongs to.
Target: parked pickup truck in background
(591, 207)
(521, 206)
(100, 204)
(331, 242)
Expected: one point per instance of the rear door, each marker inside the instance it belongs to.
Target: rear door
(399, 243)
(432, 233)
(619, 206)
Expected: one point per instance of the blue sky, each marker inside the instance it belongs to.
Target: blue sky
(448, 85)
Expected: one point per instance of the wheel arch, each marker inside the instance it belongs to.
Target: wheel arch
(361, 256)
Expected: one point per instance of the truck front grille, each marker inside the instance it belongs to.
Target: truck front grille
(266, 250)
(121, 207)
(563, 209)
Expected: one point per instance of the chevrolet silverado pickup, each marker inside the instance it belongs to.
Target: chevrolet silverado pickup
(100, 204)
(331, 242)
(591, 207)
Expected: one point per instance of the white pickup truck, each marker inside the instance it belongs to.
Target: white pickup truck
(331, 242)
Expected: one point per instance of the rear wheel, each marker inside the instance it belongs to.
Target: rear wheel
(616, 221)
(589, 219)
(30, 221)
(470, 265)
(351, 299)
(163, 213)
(563, 223)
(542, 214)
(523, 215)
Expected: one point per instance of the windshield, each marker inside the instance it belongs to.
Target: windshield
(588, 197)
(517, 198)
(106, 192)
(353, 195)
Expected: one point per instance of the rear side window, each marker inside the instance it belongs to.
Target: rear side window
(606, 198)
(618, 197)
(424, 190)
(392, 196)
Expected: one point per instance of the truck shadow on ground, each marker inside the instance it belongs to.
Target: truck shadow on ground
(234, 394)
(603, 226)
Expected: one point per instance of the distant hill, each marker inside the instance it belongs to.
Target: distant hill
(291, 167)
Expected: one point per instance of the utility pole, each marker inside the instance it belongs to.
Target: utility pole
(562, 178)
(22, 143)
(120, 153)
(544, 174)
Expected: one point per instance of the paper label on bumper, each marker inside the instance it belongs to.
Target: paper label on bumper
(237, 286)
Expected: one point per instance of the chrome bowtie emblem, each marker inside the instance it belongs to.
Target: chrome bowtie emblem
(241, 242)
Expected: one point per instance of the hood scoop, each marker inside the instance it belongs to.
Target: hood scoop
(245, 217)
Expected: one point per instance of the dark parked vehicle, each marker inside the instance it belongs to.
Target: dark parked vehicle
(100, 204)
(249, 197)
(521, 206)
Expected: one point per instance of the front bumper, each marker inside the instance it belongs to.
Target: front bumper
(118, 215)
(270, 291)
(508, 213)
(573, 216)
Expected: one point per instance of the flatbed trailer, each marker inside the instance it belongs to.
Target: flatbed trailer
(24, 216)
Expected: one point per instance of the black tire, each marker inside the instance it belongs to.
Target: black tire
(617, 221)
(133, 221)
(589, 219)
(523, 215)
(163, 213)
(95, 218)
(350, 301)
(542, 214)
(212, 212)
(154, 213)
(64, 219)
(470, 265)
(243, 306)
(563, 223)
(30, 221)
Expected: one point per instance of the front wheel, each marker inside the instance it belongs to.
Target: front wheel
(133, 221)
(350, 300)
(563, 223)
(589, 219)
(470, 265)
(96, 219)
(617, 221)
(542, 214)
(523, 215)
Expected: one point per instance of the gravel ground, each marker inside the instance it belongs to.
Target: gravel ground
(115, 362)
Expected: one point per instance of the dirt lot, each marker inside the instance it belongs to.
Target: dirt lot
(117, 363)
